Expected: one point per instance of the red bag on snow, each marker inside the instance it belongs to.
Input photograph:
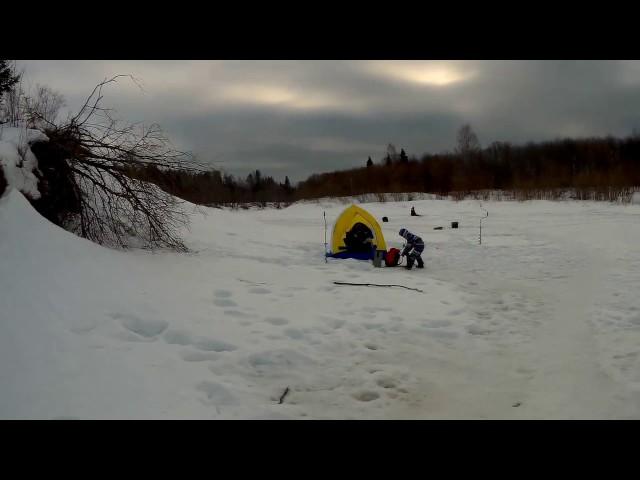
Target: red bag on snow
(392, 257)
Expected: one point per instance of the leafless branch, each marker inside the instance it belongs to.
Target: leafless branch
(107, 158)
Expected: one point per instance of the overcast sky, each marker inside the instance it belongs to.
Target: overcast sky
(300, 117)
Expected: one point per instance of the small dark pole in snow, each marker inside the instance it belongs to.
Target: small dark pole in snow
(482, 218)
(325, 236)
(283, 395)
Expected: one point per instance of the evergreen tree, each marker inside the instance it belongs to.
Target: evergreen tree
(7, 77)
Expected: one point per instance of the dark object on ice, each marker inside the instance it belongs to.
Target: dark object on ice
(385, 219)
(454, 224)
(283, 395)
(517, 404)
(376, 285)
(378, 256)
(437, 228)
(413, 212)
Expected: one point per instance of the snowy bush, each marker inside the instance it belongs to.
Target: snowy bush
(103, 156)
(19, 164)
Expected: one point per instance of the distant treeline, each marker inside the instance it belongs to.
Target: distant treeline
(216, 188)
(583, 165)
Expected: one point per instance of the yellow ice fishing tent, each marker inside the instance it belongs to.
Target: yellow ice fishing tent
(356, 234)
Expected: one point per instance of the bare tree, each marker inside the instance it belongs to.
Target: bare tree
(107, 160)
(467, 141)
(391, 152)
(43, 107)
(20, 108)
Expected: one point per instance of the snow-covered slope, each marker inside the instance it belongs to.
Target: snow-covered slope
(540, 321)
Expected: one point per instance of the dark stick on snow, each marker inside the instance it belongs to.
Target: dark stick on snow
(283, 395)
(252, 283)
(377, 285)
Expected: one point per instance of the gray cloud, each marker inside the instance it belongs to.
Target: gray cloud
(301, 117)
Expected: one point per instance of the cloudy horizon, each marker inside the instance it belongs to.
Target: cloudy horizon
(296, 118)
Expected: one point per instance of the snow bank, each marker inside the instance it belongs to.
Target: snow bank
(18, 161)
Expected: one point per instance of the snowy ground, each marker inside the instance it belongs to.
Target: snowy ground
(540, 321)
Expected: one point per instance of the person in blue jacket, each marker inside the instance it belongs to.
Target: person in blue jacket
(413, 248)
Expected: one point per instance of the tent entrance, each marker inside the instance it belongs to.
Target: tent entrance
(358, 239)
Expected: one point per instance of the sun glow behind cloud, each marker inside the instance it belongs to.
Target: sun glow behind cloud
(422, 73)
(286, 97)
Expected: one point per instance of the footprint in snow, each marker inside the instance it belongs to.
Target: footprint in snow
(437, 323)
(212, 345)
(444, 335)
(199, 356)
(294, 334)
(145, 327)
(276, 320)
(386, 382)
(278, 360)
(259, 290)
(83, 328)
(477, 330)
(177, 337)
(366, 396)
(239, 314)
(222, 293)
(216, 393)
(224, 302)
